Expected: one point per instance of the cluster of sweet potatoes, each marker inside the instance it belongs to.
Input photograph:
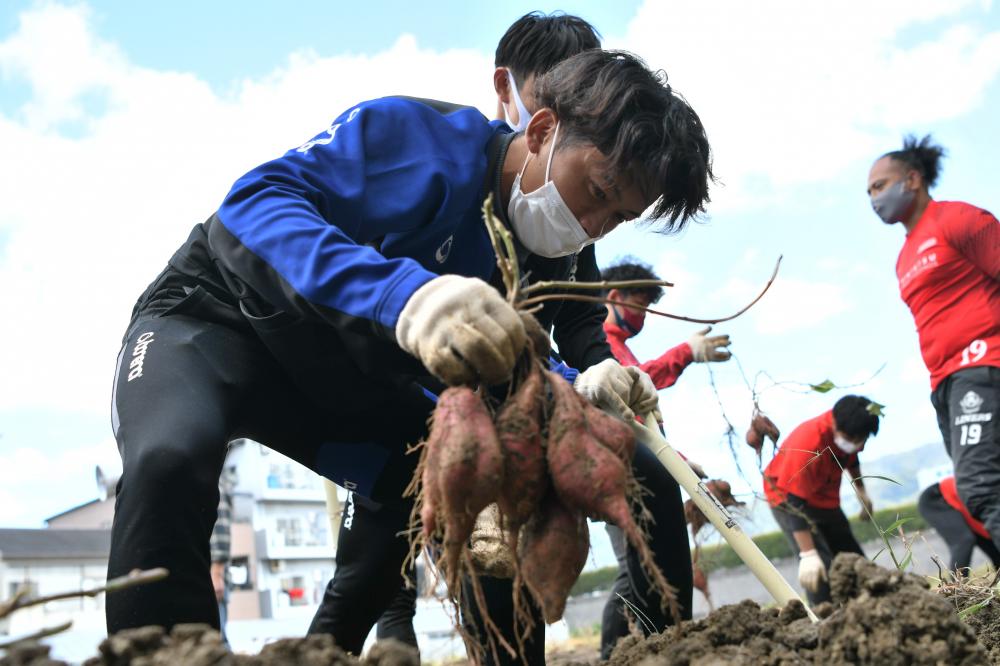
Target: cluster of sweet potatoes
(549, 460)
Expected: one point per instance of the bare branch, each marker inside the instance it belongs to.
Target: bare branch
(534, 300)
(36, 635)
(136, 577)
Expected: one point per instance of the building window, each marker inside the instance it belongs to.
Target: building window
(239, 573)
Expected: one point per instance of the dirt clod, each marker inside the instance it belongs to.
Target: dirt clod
(200, 645)
(879, 617)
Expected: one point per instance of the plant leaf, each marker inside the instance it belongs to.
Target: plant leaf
(880, 478)
(824, 386)
(875, 408)
(906, 561)
(974, 608)
(892, 528)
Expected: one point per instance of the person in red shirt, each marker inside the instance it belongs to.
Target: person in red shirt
(949, 276)
(802, 485)
(942, 508)
(624, 322)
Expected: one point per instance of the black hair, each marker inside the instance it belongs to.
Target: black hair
(648, 133)
(537, 42)
(631, 269)
(922, 156)
(852, 417)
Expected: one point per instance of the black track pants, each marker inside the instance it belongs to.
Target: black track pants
(951, 525)
(968, 407)
(184, 388)
(831, 533)
(671, 550)
(367, 584)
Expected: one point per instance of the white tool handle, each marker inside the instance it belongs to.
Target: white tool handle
(717, 514)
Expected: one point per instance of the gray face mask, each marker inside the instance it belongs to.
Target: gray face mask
(894, 204)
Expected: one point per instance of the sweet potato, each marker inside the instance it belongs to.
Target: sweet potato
(519, 429)
(464, 471)
(589, 477)
(613, 433)
(765, 427)
(553, 550)
(755, 440)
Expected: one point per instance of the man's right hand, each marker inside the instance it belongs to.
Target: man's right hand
(812, 572)
(709, 349)
(462, 330)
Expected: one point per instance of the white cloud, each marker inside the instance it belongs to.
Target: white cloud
(43, 482)
(91, 216)
(793, 92)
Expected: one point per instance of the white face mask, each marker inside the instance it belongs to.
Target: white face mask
(541, 219)
(522, 113)
(846, 445)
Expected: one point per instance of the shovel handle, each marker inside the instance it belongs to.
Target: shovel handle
(718, 515)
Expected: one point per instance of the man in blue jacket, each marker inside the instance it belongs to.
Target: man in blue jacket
(339, 284)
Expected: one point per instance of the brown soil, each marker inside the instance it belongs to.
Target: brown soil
(881, 617)
(199, 645)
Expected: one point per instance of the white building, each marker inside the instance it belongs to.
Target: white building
(293, 542)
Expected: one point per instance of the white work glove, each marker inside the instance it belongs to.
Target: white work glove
(709, 349)
(462, 330)
(811, 570)
(623, 391)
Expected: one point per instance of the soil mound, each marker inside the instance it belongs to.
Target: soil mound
(200, 645)
(878, 617)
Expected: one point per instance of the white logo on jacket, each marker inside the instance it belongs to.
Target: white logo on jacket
(442, 252)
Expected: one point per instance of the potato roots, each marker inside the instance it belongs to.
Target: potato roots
(549, 460)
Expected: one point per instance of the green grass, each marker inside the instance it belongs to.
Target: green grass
(774, 545)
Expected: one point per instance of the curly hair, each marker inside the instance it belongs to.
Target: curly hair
(631, 269)
(920, 155)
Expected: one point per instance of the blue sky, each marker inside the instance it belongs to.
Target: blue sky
(129, 121)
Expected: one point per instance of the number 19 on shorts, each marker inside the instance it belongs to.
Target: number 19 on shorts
(971, 434)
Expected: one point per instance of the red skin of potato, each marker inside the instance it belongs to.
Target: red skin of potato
(519, 429)
(590, 477)
(553, 552)
(464, 471)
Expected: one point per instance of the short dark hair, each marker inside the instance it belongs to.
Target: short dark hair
(631, 269)
(852, 417)
(920, 155)
(648, 133)
(537, 42)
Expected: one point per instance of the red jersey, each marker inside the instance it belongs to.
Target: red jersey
(808, 465)
(949, 276)
(950, 495)
(664, 371)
